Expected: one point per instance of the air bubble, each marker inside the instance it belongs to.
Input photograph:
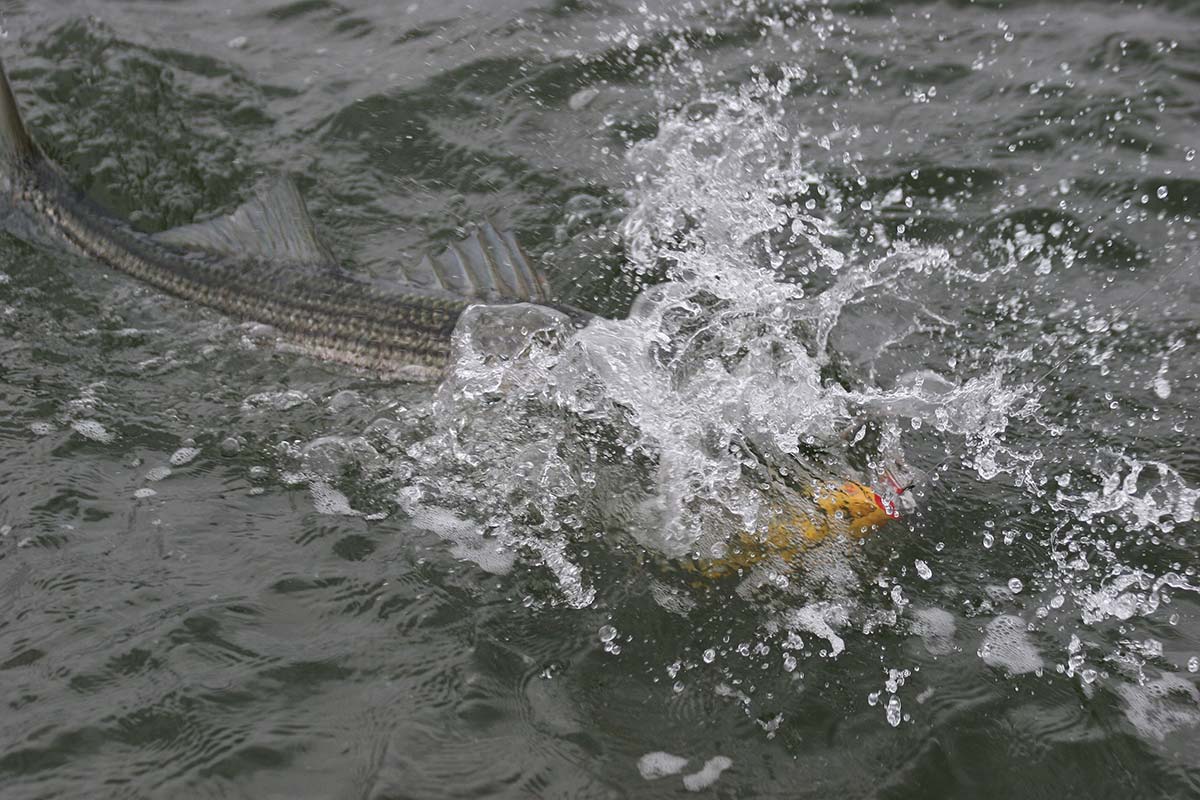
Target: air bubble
(1015, 586)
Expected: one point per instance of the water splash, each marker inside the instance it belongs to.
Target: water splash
(653, 439)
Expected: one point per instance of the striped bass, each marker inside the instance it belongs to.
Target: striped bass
(265, 263)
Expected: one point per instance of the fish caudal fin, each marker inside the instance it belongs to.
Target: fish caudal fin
(16, 145)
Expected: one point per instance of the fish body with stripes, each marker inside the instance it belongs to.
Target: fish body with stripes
(265, 263)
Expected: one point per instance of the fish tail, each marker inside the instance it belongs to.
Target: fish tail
(17, 149)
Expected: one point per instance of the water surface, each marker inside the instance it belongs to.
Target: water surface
(962, 235)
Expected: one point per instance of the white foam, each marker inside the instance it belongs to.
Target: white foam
(156, 474)
(1161, 706)
(708, 774)
(658, 764)
(818, 619)
(184, 455)
(489, 554)
(936, 627)
(327, 500)
(275, 401)
(671, 598)
(1006, 645)
(90, 429)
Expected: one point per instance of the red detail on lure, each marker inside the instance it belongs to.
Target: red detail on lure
(896, 487)
(887, 506)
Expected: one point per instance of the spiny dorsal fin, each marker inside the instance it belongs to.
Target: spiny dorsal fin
(274, 225)
(488, 265)
(15, 142)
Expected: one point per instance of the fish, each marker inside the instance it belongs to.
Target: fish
(265, 263)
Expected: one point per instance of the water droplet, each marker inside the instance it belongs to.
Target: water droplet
(1189, 155)
(988, 540)
(893, 711)
(607, 633)
(1162, 193)
(1015, 586)
(1194, 664)
(923, 569)
(710, 656)
(789, 662)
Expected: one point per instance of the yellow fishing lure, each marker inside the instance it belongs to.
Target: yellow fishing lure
(848, 510)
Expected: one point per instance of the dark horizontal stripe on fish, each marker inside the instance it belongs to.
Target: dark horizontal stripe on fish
(341, 314)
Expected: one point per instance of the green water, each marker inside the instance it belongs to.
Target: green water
(228, 570)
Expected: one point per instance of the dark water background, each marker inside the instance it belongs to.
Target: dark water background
(225, 635)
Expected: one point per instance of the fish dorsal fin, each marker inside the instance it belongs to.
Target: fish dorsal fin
(15, 142)
(488, 265)
(274, 225)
